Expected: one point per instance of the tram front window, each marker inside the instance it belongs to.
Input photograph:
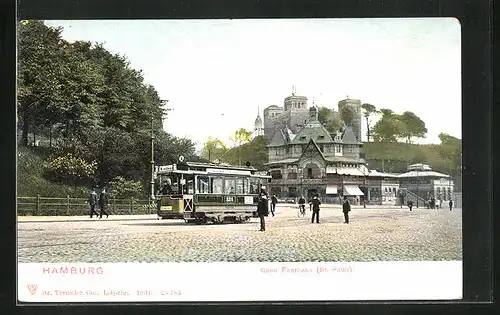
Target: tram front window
(170, 185)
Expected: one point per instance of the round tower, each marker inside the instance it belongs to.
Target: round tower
(356, 120)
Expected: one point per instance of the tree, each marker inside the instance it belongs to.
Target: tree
(39, 64)
(213, 148)
(240, 137)
(347, 114)
(368, 110)
(451, 151)
(388, 128)
(255, 152)
(328, 119)
(413, 126)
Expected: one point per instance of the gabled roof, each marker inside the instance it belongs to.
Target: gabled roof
(313, 130)
(312, 147)
(349, 137)
(278, 139)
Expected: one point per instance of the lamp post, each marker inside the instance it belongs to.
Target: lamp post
(417, 188)
(152, 183)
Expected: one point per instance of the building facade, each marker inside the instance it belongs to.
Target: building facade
(422, 181)
(311, 161)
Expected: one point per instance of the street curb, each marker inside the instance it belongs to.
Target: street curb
(85, 220)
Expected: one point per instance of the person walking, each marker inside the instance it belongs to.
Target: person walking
(315, 209)
(103, 203)
(274, 200)
(263, 209)
(450, 204)
(93, 202)
(410, 204)
(346, 208)
(302, 204)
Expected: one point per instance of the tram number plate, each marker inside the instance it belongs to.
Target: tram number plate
(229, 199)
(248, 200)
(166, 208)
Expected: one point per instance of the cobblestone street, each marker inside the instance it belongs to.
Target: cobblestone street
(373, 234)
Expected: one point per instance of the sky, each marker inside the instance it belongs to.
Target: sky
(218, 74)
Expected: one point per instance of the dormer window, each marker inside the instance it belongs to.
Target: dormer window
(321, 137)
(302, 137)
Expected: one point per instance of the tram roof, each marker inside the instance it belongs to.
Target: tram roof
(223, 166)
(210, 168)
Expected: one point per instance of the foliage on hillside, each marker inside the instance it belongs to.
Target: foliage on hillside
(397, 156)
(254, 152)
(95, 110)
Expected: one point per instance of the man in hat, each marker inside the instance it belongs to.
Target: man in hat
(103, 203)
(315, 208)
(346, 208)
(93, 202)
(274, 201)
(263, 208)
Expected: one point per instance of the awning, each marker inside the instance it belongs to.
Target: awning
(352, 191)
(331, 190)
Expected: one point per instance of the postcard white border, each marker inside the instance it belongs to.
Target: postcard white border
(221, 282)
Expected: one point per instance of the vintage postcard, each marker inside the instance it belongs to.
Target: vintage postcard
(239, 160)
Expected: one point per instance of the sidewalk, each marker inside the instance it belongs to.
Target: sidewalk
(79, 218)
(292, 205)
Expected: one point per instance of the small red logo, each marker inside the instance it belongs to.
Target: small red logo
(32, 288)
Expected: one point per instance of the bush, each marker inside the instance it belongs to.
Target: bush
(121, 188)
(31, 180)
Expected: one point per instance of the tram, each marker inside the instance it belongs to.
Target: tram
(208, 192)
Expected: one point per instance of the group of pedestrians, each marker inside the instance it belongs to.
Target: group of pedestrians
(450, 205)
(102, 201)
(263, 207)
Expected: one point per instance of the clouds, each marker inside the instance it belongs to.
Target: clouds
(235, 66)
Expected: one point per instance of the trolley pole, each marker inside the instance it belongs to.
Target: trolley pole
(152, 183)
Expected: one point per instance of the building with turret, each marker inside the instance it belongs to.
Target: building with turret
(258, 129)
(312, 161)
(355, 105)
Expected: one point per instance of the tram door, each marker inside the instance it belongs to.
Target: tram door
(187, 185)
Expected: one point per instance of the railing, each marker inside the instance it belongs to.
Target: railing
(413, 197)
(71, 206)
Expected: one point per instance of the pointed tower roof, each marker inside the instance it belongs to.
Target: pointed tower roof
(348, 136)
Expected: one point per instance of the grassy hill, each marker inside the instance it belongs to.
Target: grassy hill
(30, 179)
(395, 157)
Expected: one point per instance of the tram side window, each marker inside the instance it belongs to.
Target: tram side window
(216, 185)
(203, 186)
(254, 185)
(229, 187)
(240, 186)
(246, 186)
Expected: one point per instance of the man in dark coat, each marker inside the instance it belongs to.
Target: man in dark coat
(450, 204)
(103, 203)
(315, 208)
(263, 208)
(410, 204)
(274, 201)
(346, 208)
(93, 203)
(302, 204)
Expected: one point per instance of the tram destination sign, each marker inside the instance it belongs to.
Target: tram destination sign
(228, 172)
